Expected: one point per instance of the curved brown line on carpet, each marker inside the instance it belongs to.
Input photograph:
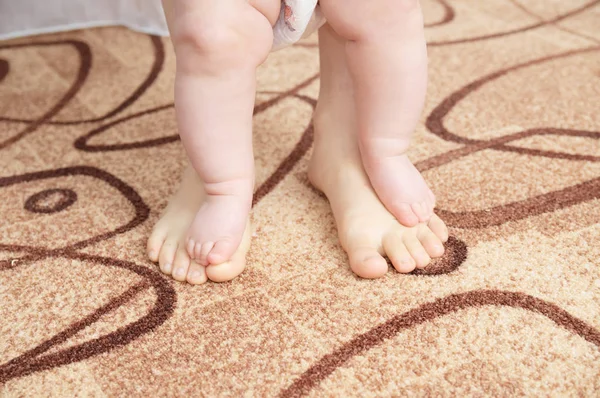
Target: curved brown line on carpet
(4, 69)
(530, 207)
(157, 65)
(142, 210)
(499, 143)
(34, 254)
(548, 154)
(85, 57)
(559, 18)
(269, 103)
(74, 328)
(81, 143)
(32, 361)
(520, 210)
(156, 68)
(556, 24)
(448, 17)
(454, 256)
(502, 146)
(526, 10)
(66, 198)
(290, 161)
(428, 312)
(435, 120)
(552, 154)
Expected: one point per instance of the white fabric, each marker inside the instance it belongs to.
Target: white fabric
(297, 19)
(29, 17)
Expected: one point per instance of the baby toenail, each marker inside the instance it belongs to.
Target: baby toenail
(195, 275)
(151, 253)
(179, 272)
(167, 267)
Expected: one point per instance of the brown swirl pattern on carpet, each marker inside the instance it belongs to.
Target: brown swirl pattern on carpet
(510, 142)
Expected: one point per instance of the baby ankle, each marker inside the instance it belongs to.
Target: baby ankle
(237, 187)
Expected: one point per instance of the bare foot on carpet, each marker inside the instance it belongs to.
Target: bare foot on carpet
(367, 230)
(398, 183)
(167, 242)
(218, 227)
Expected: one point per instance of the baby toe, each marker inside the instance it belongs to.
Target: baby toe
(181, 264)
(397, 252)
(416, 250)
(196, 274)
(167, 256)
(421, 210)
(438, 227)
(366, 262)
(155, 243)
(430, 242)
(405, 215)
(221, 252)
(190, 247)
(202, 251)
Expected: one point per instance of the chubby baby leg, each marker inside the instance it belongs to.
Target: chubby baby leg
(387, 57)
(218, 45)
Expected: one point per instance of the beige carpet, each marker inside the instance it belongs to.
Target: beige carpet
(510, 143)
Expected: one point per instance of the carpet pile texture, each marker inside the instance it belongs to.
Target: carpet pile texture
(509, 142)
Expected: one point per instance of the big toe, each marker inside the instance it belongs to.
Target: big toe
(405, 214)
(155, 242)
(236, 264)
(366, 262)
(221, 252)
(181, 264)
(228, 270)
(196, 274)
(166, 256)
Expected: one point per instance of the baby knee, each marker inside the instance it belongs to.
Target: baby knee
(366, 20)
(203, 36)
(205, 42)
(397, 17)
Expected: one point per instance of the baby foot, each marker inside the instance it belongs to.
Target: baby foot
(400, 187)
(367, 231)
(167, 242)
(218, 227)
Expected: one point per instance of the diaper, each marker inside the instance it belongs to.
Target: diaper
(297, 19)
